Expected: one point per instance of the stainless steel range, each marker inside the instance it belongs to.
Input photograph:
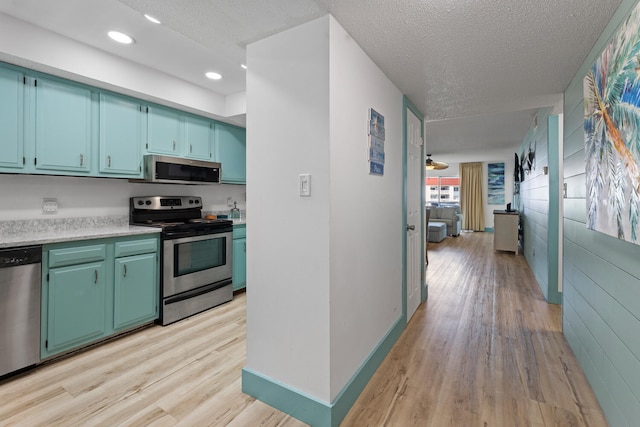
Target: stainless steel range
(196, 260)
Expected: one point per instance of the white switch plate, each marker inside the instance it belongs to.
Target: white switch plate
(49, 206)
(305, 185)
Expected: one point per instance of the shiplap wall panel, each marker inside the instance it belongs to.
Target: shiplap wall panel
(574, 210)
(601, 312)
(574, 163)
(534, 202)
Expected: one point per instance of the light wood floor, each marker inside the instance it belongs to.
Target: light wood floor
(485, 350)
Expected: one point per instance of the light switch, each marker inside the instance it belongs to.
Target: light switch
(305, 185)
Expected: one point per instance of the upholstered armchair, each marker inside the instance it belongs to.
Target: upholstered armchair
(449, 215)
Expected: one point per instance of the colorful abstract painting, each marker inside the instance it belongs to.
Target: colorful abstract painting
(495, 195)
(612, 135)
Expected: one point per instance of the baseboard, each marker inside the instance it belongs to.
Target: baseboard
(309, 409)
(286, 399)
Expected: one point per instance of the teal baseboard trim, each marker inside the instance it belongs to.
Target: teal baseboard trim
(488, 229)
(286, 399)
(310, 410)
(554, 297)
(425, 293)
(349, 394)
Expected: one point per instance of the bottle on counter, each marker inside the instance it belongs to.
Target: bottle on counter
(234, 213)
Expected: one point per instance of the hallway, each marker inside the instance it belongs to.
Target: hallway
(484, 350)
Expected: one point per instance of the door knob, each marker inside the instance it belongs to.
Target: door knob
(411, 227)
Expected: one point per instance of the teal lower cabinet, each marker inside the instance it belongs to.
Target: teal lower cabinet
(76, 292)
(239, 257)
(135, 290)
(96, 288)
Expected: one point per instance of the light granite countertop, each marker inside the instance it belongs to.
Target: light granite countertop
(43, 231)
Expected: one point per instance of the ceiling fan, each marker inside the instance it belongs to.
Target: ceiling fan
(433, 165)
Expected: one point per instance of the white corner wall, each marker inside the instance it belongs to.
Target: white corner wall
(325, 270)
(288, 238)
(366, 210)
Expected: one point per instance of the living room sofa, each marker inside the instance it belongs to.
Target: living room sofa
(449, 215)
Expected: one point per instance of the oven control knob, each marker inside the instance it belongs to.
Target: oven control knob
(140, 202)
(148, 202)
(197, 201)
(190, 201)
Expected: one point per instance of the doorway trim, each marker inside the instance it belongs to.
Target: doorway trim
(408, 105)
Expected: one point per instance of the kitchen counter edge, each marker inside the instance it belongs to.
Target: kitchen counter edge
(58, 236)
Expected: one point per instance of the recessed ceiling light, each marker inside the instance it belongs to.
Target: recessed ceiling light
(243, 66)
(120, 37)
(152, 19)
(213, 76)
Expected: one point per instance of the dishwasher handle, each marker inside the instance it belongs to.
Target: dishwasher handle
(14, 257)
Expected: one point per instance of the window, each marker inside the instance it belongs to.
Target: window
(443, 188)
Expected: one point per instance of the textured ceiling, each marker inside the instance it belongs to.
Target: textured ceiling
(463, 62)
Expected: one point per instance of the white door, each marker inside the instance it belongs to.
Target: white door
(414, 212)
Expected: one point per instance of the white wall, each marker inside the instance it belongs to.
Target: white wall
(92, 197)
(509, 164)
(42, 50)
(366, 210)
(288, 240)
(325, 270)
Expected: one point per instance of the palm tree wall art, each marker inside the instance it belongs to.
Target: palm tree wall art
(612, 135)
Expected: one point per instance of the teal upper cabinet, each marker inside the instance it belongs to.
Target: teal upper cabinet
(164, 131)
(232, 153)
(11, 114)
(120, 136)
(63, 136)
(198, 133)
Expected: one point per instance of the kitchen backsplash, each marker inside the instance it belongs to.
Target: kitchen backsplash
(22, 196)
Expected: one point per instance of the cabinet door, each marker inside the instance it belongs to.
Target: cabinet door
(198, 136)
(11, 113)
(239, 263)
(63, 127)
(76, 304)
(136, 290)
(164, 132)
(232, 153)
(120, 136)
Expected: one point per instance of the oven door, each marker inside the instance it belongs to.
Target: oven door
(192, 262)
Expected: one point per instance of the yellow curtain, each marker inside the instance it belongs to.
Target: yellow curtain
(471, 200)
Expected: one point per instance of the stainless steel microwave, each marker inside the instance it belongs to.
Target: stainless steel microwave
(176, 170)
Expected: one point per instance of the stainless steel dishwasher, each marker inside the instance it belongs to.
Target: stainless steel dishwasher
(20, 273)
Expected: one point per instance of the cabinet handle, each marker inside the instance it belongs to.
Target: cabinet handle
(174, 145)
(245, 246)
(125, 270)
(95, 280)
(190, 148)
(81, 159)
(108, 161)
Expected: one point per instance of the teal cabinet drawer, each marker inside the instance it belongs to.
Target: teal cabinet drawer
(239, 231)
(76, 255)
(136, 247)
